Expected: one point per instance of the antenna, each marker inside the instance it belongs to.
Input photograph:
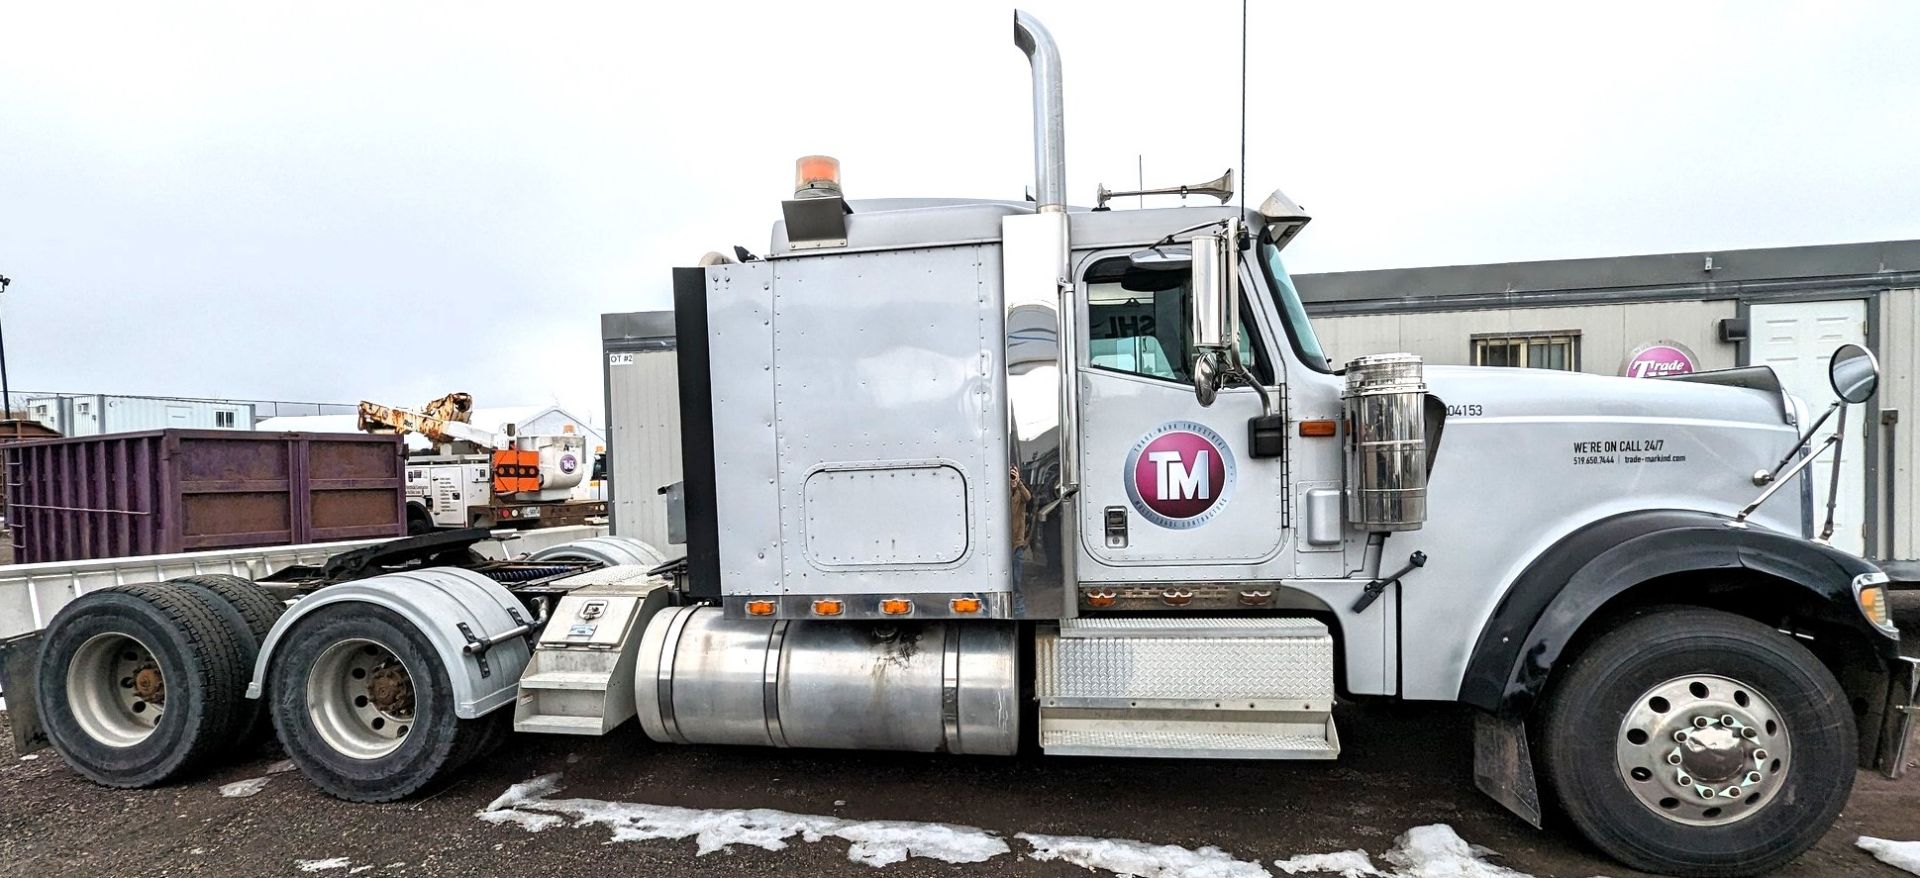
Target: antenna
(1243, 106)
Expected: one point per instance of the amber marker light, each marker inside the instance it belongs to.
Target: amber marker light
(1319, 429)
(829, 607)
(760, 608)
(816, 173)
(965, 605)
(896, 607)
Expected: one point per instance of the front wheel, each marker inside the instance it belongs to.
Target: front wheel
(1695, 742)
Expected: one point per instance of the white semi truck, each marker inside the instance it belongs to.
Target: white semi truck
(974, 477)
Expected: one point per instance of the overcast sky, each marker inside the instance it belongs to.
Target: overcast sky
(393, 201)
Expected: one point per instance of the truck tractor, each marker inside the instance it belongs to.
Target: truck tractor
(476, 477)
(977, 476)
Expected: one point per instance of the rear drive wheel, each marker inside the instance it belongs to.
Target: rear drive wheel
(1696, 742)
(364, 707)
(140, 684)
(250, 611)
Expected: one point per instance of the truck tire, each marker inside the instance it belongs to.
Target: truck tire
(363, 705)
(252, 612)
(141, 684)
(419, 520)
(1695, 742)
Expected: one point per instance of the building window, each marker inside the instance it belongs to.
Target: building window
(83, 409)
(223, 419)
(1550, 350)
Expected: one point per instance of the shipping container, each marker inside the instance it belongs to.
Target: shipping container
(181, 490)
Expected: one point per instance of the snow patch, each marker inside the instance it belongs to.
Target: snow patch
(241, 789)
(1139, 859)
(1433, 851)
(1346, 864)
(29, 757)
(873, 842)
(281, 767)
(1898, 854)
(321, 865)
(526, 820)
(1436, 851)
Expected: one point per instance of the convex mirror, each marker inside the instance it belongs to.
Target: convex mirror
(1854, 374)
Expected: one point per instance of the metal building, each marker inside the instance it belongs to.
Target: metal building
(643, 420)
(1643, 316)
(96, 413)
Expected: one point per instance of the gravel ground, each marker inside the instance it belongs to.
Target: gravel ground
(1403, 766)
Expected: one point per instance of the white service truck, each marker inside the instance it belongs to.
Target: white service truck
(969, 477)
(475, 477)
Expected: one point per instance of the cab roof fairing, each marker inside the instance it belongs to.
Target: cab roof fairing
(903, 223)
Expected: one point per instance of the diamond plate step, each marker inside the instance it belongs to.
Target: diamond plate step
(1220, 688)
(1227, 660)
(1191, 745)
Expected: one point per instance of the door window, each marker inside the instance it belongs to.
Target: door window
(1146, 332)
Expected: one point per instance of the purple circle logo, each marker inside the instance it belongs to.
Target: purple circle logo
(569, 463)
(1179, 474)
(1659, 359)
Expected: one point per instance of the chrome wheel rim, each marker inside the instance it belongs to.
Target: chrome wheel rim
(360, 699)
(116, 690)
(1703, 750)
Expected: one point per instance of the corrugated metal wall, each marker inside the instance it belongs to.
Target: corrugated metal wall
(1900, 391)
(1607, 332)
(643, 425)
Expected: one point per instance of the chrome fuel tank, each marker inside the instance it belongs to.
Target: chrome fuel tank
(920, 686)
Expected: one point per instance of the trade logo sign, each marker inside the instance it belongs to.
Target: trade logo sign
(569, 463)
(1659, 359)
(1179, 474)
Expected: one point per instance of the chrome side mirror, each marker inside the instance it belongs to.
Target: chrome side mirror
(1206, 377)
(1216, 311)
(1854, 374)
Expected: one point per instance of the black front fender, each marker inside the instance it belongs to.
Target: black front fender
(1547, 605)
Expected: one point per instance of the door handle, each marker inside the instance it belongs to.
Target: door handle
(1116, 520)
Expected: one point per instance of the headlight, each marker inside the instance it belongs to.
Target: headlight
(1870, 595)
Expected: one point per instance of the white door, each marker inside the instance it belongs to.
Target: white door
(1165, 482)
(1798, 339)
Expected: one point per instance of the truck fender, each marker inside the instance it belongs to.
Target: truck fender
(609, 550)
(1556, 594)
(446, 604)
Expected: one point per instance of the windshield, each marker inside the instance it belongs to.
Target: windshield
(1294, 314)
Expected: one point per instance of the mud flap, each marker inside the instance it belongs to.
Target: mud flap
(1503, 765)
(1897, 718)
(19, 685)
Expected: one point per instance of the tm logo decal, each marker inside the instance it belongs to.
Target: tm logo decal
(1179, 474)
(569, 463)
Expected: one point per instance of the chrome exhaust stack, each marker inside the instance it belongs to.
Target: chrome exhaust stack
(1049, 125)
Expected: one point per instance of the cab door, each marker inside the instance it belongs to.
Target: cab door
(1167, 484)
